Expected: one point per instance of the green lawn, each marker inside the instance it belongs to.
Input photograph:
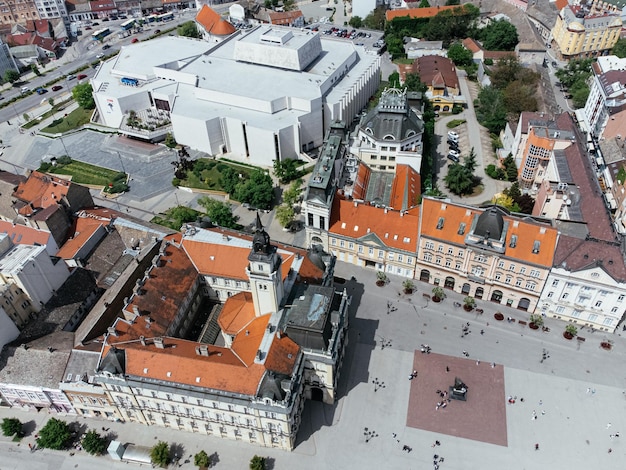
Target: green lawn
(82, 173)
(206, 174)
(73, 120)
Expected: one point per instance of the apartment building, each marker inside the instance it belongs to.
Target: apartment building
(587, 30)
(18, 11)
(439, 75)
(485, 253)
(607, 94)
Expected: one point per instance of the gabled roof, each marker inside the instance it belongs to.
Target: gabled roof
(213, 23)
(41, 191)
(394, 228)
(406, 188)
(284, 17)
(417, 12)
(436, 71)
(21, 234)
(83, 229)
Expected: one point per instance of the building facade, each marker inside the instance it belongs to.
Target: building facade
(607, 93)
(583, 31)
(485, 253)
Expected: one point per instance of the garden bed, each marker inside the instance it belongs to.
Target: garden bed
(82, 173)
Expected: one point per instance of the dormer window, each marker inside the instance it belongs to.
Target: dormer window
(440, 223)
(536, 246)
(461, 228)
(513, 242)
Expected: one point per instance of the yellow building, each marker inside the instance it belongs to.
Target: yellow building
(586, 31)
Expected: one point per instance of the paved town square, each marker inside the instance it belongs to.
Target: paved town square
(572, 404)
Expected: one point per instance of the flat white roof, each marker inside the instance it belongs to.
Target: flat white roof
(18, 256)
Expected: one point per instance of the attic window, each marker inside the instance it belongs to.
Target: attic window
(145, 371)
(440, 223)
(406, 239)
(197, 380)
(395, 237)
(343, 225)
(536, 246)
(169, 374)
(461, 228)
(513, 242)
(387, 235)
(356, 228)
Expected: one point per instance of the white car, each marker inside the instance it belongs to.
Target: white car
(100, 56)
(453, 135)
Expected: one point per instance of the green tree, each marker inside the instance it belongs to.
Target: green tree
(376, 19)
(11, 427)
(356, 22)
(453, 2)
(170, 141)
(202, 459)
(413, 82)
(520, 96)
(490, 109)
(526, 204)
(460, 55)
(229, 179)
(55, 435)
(511, 171)
(577, 70)
(394, 80)
(219, 212)
(181, 215)
(258, 190)
(35, 69)
(83, 94)
(619, 49)
(439, 293)
(11, 76)
(507, 71)
(470, 161)
(424, 4)
(189, 30)
(499, 36)
(459, 180)
(160, 454)
(287, 170)
(257, 463)
(291, 194)
(285, 215)
(94, 443)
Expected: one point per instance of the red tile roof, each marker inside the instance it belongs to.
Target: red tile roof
(23, 235)
(527, 231)
(285, 17)
(83, 228)
(40, 191)
(406, 188)
(356, 220)
(361, 181)
(435, 71)
(237, 313)
(417, 12)
(575, 254)
(213, 23)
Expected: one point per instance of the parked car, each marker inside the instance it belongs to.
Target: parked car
(453, 135)
(81, 76)
(453, 145)
(71, 77)
(157, 31)
(454, 154)
(134, 40)
(41, 91)
(100, 56)
(106, 46)
(453, 157)
(123, 17)
(24, 89)
(95, 23)
(568, 97)
(56, 87)
(88, 27)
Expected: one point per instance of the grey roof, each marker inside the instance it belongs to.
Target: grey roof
(114, 362)
(81, 365)
(307, 315)
(41, 363)
(379, 187)
(392, 120)
(490, 223)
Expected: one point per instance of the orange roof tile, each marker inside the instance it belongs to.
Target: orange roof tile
(224, 260)
(417, 12)
(527, 231)
(406, 188)
(83, 229)
(213, 23)
(246, 343)
(282, 355)
(237, 313)
(23, 235)
(40, 191)
(354, 220)
(309, 272)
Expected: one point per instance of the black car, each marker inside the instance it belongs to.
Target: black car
(453, 143)
(105, 47)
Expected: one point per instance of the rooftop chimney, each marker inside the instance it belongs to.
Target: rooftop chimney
(158, 342)
(111, 331)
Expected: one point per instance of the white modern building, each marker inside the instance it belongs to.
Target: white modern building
(607, 94)
(49, 9)
(262, 94)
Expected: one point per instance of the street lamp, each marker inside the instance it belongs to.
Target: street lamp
(64, 147)
(121, 162)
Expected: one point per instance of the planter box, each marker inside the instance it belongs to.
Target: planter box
(498, 316)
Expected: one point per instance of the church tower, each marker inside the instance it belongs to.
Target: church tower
(265, 273)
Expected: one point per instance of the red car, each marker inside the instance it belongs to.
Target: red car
(134, 40)
(56, 87)
(81, 76)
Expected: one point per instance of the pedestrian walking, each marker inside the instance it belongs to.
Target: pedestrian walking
(447, 369)
(608, 425)
(537, 446)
